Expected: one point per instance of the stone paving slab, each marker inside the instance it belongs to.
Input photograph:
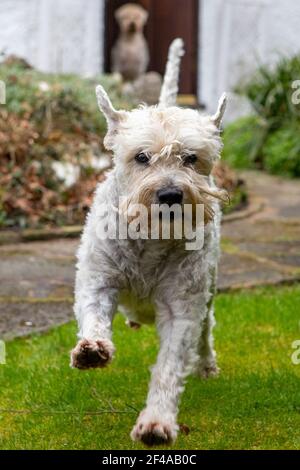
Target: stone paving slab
(36, 278)
(37, 269)
(25, 317)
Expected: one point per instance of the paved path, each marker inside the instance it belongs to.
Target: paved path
(264, 248)
(36, 278)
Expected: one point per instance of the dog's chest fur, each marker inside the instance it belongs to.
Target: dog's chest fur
(159, 271)
(152, 271)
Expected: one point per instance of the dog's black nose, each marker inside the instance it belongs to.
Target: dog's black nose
(170, 196)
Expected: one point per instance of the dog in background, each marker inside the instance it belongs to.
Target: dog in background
(130, 54)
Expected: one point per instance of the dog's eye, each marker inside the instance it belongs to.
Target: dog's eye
(190, 159)
(142, 158)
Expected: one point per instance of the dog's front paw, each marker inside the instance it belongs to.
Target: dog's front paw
(91, 354)
(154, 431)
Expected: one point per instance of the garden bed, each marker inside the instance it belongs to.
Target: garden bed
(51, 146)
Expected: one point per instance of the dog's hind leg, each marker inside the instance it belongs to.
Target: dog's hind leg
(207, 365)
(94, 309)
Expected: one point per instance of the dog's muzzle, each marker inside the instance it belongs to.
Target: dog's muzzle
(132, 28)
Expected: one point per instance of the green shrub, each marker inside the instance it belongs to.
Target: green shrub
(240, 142)
(281, 152)
(270, 91)
(270, 139)
(68, 102)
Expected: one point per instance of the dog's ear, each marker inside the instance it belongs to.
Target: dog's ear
(145, 16)
(118, 14)
(112, 116)
(218, 116)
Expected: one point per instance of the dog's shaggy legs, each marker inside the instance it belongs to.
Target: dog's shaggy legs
(94, 310)
(157, 424)
(207, 365)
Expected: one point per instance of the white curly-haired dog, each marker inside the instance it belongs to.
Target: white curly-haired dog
(163, 155)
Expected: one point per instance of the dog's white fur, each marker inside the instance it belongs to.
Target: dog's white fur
(152, 280)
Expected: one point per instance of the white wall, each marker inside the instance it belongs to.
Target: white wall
(238, 35)
(54, 35)
(234, 37)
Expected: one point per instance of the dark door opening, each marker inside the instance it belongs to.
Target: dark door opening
(168, 19)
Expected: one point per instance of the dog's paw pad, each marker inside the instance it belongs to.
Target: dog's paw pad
(92, 354)
(154, 433)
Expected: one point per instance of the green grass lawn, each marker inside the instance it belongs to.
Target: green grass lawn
(254, 404)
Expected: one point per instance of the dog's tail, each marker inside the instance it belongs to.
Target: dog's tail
(169, 88)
